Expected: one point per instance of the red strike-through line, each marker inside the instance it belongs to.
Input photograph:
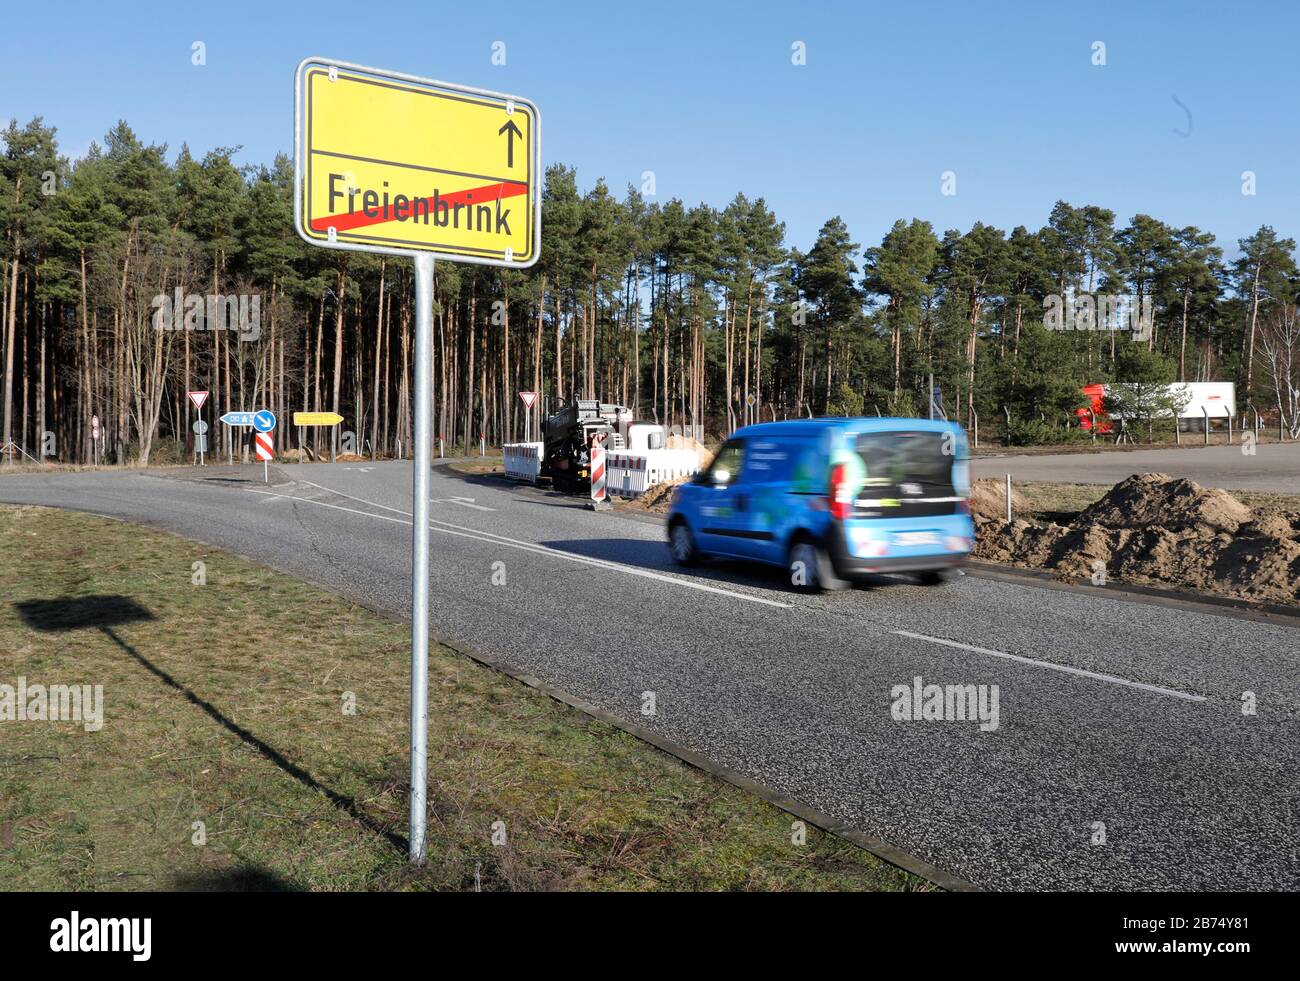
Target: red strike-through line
(485, 194)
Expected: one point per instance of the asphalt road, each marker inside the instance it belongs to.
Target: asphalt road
(1114, 715)
(1273, 466)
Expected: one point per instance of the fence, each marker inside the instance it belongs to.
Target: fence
(632, 473)
(523, 461)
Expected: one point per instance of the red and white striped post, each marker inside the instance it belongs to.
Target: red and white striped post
(264, 444)
(598, 471)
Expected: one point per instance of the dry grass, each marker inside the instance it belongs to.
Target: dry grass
(1062, 500)
(225, 706)
(479, 465)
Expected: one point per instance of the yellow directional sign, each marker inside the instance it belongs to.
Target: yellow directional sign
(396, 164)
(316, 418)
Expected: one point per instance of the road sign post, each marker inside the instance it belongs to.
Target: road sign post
(264, 422)
(197, 399)
(302, 419)
(237, 420)
(420, 552)
(264, 444)
(529, 398)
(200, 438)
(316, 418)
(400, 165)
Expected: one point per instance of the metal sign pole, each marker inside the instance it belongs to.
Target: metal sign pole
(420, 551)
(329, 95)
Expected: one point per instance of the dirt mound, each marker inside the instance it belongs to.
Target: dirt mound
(657, 498)
(1148, 499)
(702, 452)
(1274, 524)
(988, 500)
(1153, 529)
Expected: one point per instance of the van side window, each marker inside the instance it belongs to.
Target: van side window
(768, 460)
(726, 466)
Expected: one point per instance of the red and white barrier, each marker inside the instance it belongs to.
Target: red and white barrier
(523, 461)
(598, 471)
(265, 447)
(632, 473)
(628, 473)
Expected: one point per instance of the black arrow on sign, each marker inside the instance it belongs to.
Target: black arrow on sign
(511, 131)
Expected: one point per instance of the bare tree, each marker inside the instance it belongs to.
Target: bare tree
(1279, 342)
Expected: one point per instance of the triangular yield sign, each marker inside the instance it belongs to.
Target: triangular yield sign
(198, 398)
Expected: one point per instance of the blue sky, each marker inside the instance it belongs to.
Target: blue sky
(705, 95)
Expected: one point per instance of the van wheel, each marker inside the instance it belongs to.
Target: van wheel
(809, 568)
(935, 577)
(682, 544)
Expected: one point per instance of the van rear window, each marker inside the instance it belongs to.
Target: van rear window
(905, 464)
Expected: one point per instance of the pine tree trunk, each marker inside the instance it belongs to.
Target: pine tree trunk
(379, 353)
(335, 405)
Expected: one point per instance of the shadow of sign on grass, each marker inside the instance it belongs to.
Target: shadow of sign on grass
(242, 878)
(82, 613)
(105, 612)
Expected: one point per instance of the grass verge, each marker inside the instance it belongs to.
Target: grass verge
(226, 720)
(1059, 501)
(479, 465)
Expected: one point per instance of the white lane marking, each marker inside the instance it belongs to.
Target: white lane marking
(492, 539)
(465, 502)
(322, 504)
(1055, 667)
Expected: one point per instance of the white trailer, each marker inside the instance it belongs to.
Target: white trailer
(1218, 400)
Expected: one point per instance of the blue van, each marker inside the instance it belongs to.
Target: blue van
(832, 500)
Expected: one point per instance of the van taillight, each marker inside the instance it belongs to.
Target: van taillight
(841, 494)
